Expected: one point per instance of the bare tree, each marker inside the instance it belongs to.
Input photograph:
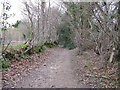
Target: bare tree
(94, 24)
(43, 4)
(30, 16)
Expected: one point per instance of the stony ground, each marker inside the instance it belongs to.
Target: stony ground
(55, 68)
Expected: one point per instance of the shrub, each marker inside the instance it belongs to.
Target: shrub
(9, 54)
(50, 45)
(13, 51)
(39, 47)
(64, 36)
(3, 64)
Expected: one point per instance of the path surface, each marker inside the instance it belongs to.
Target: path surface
(56, 72)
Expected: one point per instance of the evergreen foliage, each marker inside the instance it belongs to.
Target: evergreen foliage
(64, 36)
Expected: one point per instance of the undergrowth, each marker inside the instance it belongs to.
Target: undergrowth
(17, 52)
(50, 45)
(65, 36)
(18, 46)
(106, 78)
(3, 63)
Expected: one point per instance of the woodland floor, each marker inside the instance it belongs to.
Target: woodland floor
(56, 68)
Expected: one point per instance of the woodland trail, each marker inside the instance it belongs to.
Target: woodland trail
(56, 72)
(55, 68)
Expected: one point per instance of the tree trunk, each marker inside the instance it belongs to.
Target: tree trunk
(38, 21)
(117, 56)
(43, 19)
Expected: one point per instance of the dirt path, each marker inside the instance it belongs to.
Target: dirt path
(56, 72)
(58, 68)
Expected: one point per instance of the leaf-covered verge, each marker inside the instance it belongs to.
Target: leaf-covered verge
(23, 51)
(19, 69)
(90, 74)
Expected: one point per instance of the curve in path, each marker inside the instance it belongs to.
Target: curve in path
(56, 72)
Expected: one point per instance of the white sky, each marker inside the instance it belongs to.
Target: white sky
(17, 8)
